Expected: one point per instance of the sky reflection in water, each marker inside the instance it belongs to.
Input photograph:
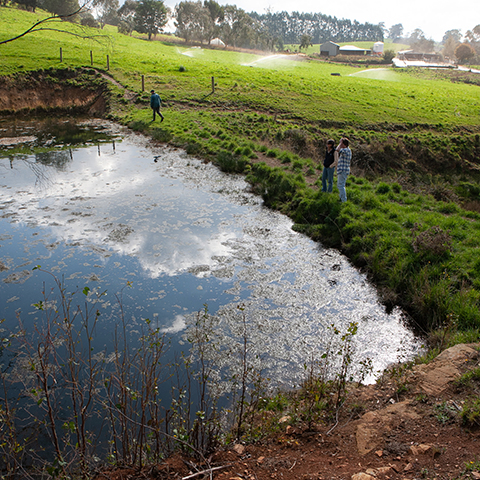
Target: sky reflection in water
(185, 235)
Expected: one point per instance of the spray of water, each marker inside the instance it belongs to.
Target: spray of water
(271, 61)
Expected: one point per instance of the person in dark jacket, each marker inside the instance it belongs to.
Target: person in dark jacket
(328, 167)
(155, 104)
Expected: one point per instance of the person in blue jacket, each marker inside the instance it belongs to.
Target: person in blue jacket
(155, 104)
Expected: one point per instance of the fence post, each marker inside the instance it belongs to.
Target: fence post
(61, 55)
(143, 83)
(213, 84)
(108, 62)
(91, 58)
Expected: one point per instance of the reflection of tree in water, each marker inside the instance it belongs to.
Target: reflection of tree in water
(70, 133)
(55, 158)
(41, 167)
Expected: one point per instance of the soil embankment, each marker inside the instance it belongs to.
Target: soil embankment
(63, 91)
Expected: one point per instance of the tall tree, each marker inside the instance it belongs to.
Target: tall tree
(150, 17)
(395, 32)
(419, 43)
(217, 15)
(126, 17)
(60, 7)
(193, 21)
(464, 52)
(27, 4)
(106, 11)
(455, 34)
(305, 42)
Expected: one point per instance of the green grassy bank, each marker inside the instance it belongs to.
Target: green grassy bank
(414, 197)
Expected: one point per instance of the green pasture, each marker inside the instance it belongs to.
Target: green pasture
(412, 217)
(297, 89)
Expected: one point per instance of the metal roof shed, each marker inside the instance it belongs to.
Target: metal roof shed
(329, 49)
(352, 50)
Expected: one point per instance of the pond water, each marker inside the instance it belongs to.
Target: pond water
(168, 234)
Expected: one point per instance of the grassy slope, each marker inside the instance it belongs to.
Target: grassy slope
(404, 126)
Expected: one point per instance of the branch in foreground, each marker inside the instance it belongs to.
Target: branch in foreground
(53, 18)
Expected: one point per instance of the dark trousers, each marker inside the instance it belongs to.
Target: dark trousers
(157, 110)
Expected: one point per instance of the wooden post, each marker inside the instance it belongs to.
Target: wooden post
(108, 62)
(213, 84)
(91, 58)
(61, 55)
(143, 83)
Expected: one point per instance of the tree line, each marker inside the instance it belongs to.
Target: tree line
(454, 45)
(319, 27)
(198, 21)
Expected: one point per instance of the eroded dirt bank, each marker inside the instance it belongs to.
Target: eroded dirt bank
(79, 91)
(406, 427)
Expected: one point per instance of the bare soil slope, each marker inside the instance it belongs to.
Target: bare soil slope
(416, 435)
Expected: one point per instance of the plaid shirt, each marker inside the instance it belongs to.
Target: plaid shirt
(344, 159)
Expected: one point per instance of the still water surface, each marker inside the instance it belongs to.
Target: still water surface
(169, 234)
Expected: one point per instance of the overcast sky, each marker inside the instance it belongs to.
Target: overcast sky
(434, 17)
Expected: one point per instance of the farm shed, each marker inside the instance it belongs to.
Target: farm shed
(410, 55)
(352, 50)
(329, 49)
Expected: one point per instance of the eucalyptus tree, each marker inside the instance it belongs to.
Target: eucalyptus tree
(126, 17)
(216, 12)
(62, 8)
(150, 17)
(30, 5)
(193, 21)
(106, 11)
(305, 42)
(395, 32)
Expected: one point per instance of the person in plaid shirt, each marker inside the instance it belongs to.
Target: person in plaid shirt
(343, 167)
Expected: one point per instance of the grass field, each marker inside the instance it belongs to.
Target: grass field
(412, 218)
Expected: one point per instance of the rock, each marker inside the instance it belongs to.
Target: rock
(373, 425)
(435, 376)
(408, 467)
(384, 470)
(420, 449)
(379, 453)
(362, 476)
(240, 449)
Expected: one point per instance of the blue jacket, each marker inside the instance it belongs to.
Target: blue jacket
(155, 101)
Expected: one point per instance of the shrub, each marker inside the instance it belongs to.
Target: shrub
(382, 188)
(229, 163)
(471, 412)
(138, 126)
(162, 135)
(433, 241)
(388, 56)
